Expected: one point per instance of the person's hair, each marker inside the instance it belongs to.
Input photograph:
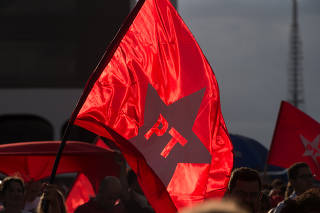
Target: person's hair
(45, 202)
(277, 183)
(214, 206)
(8, 180)
(243, 174)
(294, 170)
(309, 201)
(108, 180)
(6, 183)
(283, 189)
(266, 187)
(288, 190)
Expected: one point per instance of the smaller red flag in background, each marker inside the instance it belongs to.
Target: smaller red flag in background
(80, 193)
(82, 189)
(296, 139)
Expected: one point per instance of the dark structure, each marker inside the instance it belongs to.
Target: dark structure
(55, 44)
(295, 85)
(24, 128)
(248, 152)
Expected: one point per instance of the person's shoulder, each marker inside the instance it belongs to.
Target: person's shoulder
(25, 211)
(283, 203)
(280, 206)
(84, 207)
(293, 195)
(271, 210)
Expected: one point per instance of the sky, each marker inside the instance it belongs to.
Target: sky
(247, 45)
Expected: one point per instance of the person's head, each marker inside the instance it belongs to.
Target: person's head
(109, 192)
(12, 190)
(277, 183)
(33, 190)
(214, 206)
(53, 198)
(300, 177)
(245, 187)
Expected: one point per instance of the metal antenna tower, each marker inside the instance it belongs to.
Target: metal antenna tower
(296, 93)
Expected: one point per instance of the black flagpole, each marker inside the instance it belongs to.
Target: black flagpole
(93, 78)
(108, 54)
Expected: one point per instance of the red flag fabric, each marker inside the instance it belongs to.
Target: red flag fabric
(34, 160)
(296, 139)
(82, 190)
(80, 193)
(157, 98)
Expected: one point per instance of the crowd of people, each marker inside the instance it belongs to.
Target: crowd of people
(246, 188)
(246, 193)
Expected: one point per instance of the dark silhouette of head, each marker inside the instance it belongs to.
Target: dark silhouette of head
(109, 192)
(12, 193)
(245, 188)
(300, 177)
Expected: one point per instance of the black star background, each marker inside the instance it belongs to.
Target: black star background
(181, 116)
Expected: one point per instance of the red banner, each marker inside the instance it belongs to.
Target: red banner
(34, 160)
(296, 139)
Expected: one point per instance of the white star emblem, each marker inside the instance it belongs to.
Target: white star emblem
(312, 148)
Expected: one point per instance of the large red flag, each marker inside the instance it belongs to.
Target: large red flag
(296, 139)
(157, 98)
